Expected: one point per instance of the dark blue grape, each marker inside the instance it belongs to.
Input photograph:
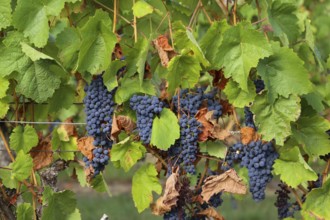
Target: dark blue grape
(249, 118)
(283, 204)
(146, 108)
(259, 84)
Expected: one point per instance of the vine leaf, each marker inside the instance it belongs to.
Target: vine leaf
(86, 147)
(136, 58)
(4, 107)
(99, 184)
(284, 21)
(165, 130)
(127, 153)
(42, 154)
(12, 59)
(60, 205)
(144, 182)
(121, 122)
(235, 52)
(32, 19)
(110, 75)
(212, 213)
(23, 138)
(292, 168)
(34, 54)
(97, 43)
(62, 98)
(212, 40)
(316, 203)
(22, 166)
(4, 85)
(310, 132)
(273, 120)
(5, 14)
(170, 197)
(248, 134)
(282, 70)
(6, 178)
(214, 148)
(165, 51)
(65, 149)
(183, 70)
(141, 9)
(24, 211)
(237, 96)
(226, 182)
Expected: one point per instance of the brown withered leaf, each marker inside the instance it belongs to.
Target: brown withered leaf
(226, 182)
(69, 128)
(163, 48)
(86, 147)
(171, 193)
(211, 212)
(207, 125)
(248, 134)
(119, 123)
(219, 79)
(227, 108)
(219, 133)
(42, 154)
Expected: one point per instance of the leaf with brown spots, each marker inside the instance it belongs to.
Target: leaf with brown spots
(171, 193)
(219, 79)
(248, 134)
(212, 213)
(42, 154)
(86, 147)
(226, 182)
(67, 130)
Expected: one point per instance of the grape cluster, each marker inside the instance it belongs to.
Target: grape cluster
(189, 131)
(212, 104)
(249, 118)
(234, 154)
(216, 200)
(146, 108)
(284, 207)
(99, 108)
(175, 214)
(259, 158)
(259, 84)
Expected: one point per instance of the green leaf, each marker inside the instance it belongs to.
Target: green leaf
(69, 146)
(144, 182)
(214, 148)
(238, 97)
(38, 80)
(63, 98)
(235, 52)
(75, 215)
(141, 9)
(24, 211)
(136, 58)
(284, 21)
(165, 130)
(80, 172)
(293, 169)
(4, 107)
(110, 75)
(130, 86)
(273, 120)
(33, 54)
(23, 138)
(281, 71)
(22, 166)
(100, 185)
(311, 133)
(315, 100)
(12, 59)
(4, 85)
(183, 70)
(7, 180)
(184, 39)
(31, 18)
(59, 205)
(317, 203)
(212, 40)
(5, 14)
(97, 43)
(68, 41)
(127, 153)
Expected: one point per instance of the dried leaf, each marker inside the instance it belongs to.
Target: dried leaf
(163, 43)
(226, 182)
(86, 147)
(42, 154)
(163, 48)
(219, 79)
(248, 134)
(171, 193)
(219, 133)
(207, 125)
(119, 123)
(212, 213)
(227, 108)
(69, 128)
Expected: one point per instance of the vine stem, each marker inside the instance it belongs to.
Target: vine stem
(297, 197)
(107, 8)
(170, 29)
(206, 14)
(259, 9)
(222, 6)
(150, 150)
(68, 14)
(234, 12)
(303, 189)
(135, 27)
(194, 14)
(325, 172)
(114, 16)
(203, 174)
(3, 191)
(208, 157)
(235, 117)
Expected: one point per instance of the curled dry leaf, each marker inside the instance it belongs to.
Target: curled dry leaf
(212, 213)
(69, 128)
(42, 154)
(163, 48)
(86, 147)
(171, 193)
(119, 123)
(248, 134)
(226, 182)
(227, 108)
(219, 79)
